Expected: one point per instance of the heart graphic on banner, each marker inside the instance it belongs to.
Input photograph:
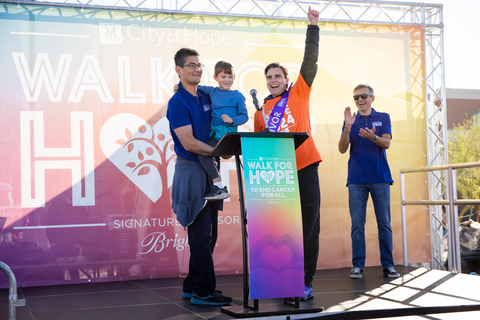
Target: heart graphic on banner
(267, 175)
(276, 255)
(139, 151)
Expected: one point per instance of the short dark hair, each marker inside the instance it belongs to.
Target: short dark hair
(277, 65)
(182, 55)
(224, 66)
(364, 85)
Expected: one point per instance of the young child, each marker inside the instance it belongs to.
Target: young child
(228, 112)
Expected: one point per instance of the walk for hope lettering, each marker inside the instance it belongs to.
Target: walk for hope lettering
(142, 151)
(274, 177)
(89, 76)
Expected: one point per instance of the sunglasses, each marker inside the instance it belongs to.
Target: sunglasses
(363, 96)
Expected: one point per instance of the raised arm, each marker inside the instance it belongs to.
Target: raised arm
(309, 67)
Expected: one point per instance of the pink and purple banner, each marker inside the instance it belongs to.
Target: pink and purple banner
(275, 241)
(86, 157)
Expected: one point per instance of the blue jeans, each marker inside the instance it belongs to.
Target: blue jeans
(357, 201)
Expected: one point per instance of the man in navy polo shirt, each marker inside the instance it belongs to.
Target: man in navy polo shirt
(368, 134)
(189, 114)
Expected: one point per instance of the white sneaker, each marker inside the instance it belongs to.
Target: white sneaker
(356, 273)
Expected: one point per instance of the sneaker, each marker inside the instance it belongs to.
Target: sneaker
(188, 295)
(214, 299)
(217, 194)
(356, 273)
(308, 294)
(390, 273)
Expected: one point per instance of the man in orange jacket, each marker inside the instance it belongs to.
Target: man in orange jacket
(288, 110)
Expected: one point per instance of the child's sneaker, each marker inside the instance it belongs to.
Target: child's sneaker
(217, 194)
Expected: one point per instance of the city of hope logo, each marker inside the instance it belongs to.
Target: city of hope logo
(110, 33)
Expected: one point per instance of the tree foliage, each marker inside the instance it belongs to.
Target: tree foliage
(463, 147)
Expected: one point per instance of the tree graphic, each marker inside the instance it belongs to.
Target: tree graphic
(145, 149)
(142, 165)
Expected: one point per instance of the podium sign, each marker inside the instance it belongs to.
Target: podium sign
(275, 241)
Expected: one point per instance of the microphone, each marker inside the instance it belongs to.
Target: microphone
(253, 93)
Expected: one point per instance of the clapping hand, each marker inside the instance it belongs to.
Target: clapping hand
(349, 117)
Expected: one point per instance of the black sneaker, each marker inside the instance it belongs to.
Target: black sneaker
(390, 273)
(214, 299)
(188, 295)
(217, 194)
(356, 273)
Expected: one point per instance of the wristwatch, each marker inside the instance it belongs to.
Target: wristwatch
(374, 139)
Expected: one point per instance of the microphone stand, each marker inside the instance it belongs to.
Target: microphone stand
(253, 93)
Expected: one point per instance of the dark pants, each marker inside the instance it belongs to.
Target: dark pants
(210, 163)
(202, 236)
(310, 202)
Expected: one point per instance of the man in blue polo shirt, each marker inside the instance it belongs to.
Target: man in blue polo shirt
(189, 114)
(368, 134)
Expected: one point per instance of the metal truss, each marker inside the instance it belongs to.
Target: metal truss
(338, 11)
(429, 16)
(437, 153)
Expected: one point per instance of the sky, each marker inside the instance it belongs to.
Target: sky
(461, 42)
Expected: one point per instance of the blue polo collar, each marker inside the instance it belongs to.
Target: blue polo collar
(185, 93)
(359, 115)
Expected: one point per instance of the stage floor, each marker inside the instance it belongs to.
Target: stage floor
(418, 294)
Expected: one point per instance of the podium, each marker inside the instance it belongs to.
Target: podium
(275, 242)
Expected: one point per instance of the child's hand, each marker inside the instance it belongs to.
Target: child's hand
(175, 88)
(227, 119)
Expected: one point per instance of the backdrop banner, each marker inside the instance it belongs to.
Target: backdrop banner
(87, 158)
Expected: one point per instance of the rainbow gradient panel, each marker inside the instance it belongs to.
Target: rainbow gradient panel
(275, 242)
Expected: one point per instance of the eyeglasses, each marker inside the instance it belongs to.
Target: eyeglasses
(363, 96)
(194, 66)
